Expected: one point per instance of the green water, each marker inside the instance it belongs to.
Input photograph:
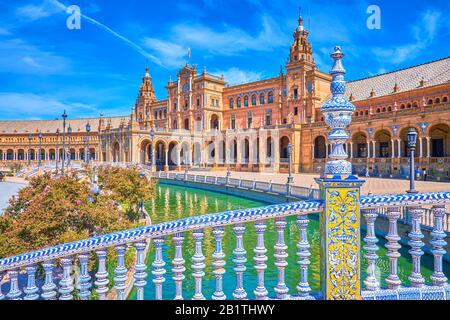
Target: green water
(172, 203)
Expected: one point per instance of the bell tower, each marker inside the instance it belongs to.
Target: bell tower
(145, 99)
(301, 49)
(300, 69)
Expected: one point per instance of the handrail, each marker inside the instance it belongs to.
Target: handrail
(211, 220)
(162, 229)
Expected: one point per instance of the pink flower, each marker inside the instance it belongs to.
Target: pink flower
(78, 202)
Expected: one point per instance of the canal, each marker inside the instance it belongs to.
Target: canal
(173, 202)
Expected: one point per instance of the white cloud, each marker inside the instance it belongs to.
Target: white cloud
(234, 76)
(424, 33)
(21, 57)
(35, 12)
(15, 105)
(227, 41)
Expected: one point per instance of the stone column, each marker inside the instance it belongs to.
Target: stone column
(392, 148)
(374, 149)
(399, 148)
(166, 166)
(368, 150)
(420, 147)
(351, 150)
(428, 147)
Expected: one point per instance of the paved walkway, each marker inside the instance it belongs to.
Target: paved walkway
(373, 185)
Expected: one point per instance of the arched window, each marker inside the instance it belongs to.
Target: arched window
(408, 105)
(430, 101)
(445, 99)
(246, 101)
(270, 97)
(437, 100)
(402, 107)
(239, 102)
(262, 99)
(389, 108)
(378, 110)
(384, 109)
(254, 100)
(231, 103)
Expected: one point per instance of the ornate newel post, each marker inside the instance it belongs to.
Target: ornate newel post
(340, 190)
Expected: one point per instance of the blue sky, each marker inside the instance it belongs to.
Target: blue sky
(45, 67)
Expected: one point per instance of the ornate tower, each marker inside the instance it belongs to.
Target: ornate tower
(300, 77)
(144, 100)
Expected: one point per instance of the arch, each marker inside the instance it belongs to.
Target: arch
(214, 122)
(174, 153)
(31, 154)
(160, 153)
(21, 155)
(246, 101)
(445, 99)
(52, 154)
(440, 141)
(197, 154)
(238, 102)
(254, 100)
(245, 151)
(359, 141)
(383, 144)
(262, 98)
(437, 101)
(233, 151)
(269, 147)
(10, 154)
(320, 148)
(270, 97)
(284, 142)
(231, 103)
(72, 153)
(185, 153)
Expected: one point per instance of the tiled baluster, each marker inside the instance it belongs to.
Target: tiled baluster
(101, 275)
(438, 235)
(66, 283)
(84, 281)
(140, 274)
(260, 259)
(416, 244)
(219, 264)
(120, 273)
(48, 289)
(14, 291)
(239, 260)
(303, 253)
(31, 290)
(392, 245)
(281, 289)
(198, 265)
(2, 296)
(371, 248)
(158, 268)
(178, 266)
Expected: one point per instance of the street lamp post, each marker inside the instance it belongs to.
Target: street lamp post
(86, 149)
(69, 154)
(228, 167)
(40, 149)
(64, 116)
(30, 137)
(152, 137)
(290, 179)
(412, 140)
(57, 150)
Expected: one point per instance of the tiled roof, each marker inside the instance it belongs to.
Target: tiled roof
(50, 126)
(433, 73)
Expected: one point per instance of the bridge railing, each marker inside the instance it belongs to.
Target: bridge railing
(19, 273)
(268, 187)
